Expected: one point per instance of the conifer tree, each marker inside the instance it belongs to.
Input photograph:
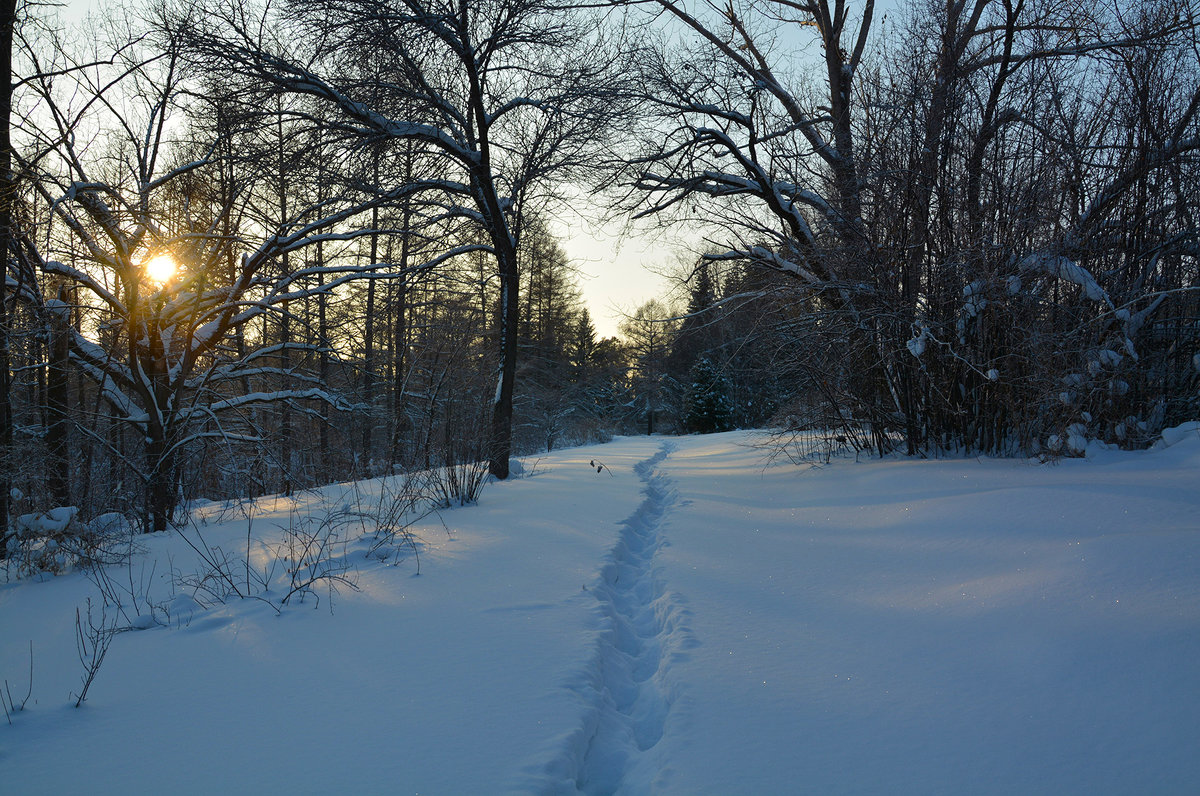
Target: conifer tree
(708, 406)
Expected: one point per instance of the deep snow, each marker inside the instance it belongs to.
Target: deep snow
(690, 620)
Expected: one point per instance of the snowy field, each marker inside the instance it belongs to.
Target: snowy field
(690, 620)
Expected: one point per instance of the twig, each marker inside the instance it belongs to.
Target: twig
(92, 645)
(9, 704)
(29, 691)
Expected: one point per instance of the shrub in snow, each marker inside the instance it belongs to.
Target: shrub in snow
(92, 640)
(56, 540)
(312, 555)
(1075, 441)
(46, 523)
(7, 701)
(1176, 434)
(401, 503)
(181, 609)
(459, 483)
(1077, 438)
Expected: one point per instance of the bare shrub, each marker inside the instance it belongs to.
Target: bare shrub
(6, 698)
(402, 501)
(312, 552)
(58, 540)
(92, 640)
(458, 483)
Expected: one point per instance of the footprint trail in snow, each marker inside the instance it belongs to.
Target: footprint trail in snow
(628, 681)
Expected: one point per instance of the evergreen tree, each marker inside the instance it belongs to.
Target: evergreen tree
(648, 335)
(708, 406)
(699, 331)
(581, 348)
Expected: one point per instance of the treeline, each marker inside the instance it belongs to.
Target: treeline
(957, 226)
(355, 294)
(986, 210)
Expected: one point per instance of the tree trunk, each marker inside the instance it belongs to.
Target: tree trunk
(500, 447)
(160, 469)
(285, 329)
(160, 489)
(400, 336)
(323, 361)
(58, 403)
(400, 367)
(8, 18)
(368, 376)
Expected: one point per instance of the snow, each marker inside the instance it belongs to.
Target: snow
(54, 521)
(1068, 270)
(691, 620)
(1077, 437)
(1180, 433)
(916, 345)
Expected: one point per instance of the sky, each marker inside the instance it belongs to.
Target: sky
(618, 269)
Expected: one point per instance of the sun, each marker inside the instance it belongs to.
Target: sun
(160, 268)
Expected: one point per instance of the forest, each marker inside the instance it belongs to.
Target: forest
(255, 247)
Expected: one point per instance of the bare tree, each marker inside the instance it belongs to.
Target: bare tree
(156, 348)
(505, 96)
(8, 195)
(947, 200)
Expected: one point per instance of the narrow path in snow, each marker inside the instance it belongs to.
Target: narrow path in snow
(627, 680)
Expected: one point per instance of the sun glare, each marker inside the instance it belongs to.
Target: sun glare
(160, 268)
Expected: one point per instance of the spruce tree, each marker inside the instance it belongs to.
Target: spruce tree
(708, 406)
